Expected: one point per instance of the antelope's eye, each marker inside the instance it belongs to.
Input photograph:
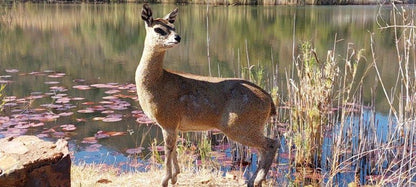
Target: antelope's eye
(160, 31)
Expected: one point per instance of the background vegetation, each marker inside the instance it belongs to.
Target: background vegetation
(233, 2)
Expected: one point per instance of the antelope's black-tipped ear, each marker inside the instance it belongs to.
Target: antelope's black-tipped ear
(147, 14)
(171, 17)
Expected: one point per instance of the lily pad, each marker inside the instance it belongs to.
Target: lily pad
(86, 111)
(136, 150)
(68, 127)
(82, 87)
(89, 140)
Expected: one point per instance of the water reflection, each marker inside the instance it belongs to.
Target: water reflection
(102, 43)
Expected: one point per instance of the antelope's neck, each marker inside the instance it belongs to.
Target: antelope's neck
(150, 68)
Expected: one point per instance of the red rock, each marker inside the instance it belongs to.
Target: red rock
(30, 161)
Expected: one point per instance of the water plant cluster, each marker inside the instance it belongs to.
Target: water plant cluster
(334, 133)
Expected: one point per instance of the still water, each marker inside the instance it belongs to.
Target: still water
(74, 64)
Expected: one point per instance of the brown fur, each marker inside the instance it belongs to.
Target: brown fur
(186, 102)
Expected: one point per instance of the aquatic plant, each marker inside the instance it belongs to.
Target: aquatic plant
(2, 95)
(156, 157)
(389, 156)
(399, 152)
(310, 99)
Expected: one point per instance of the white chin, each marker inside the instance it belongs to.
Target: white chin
(170, 45)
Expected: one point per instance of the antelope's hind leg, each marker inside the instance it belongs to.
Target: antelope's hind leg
(169, 137)
(175, 168)
(267, 149)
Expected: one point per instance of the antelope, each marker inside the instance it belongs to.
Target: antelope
(186, 102)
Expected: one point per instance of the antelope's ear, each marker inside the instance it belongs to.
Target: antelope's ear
(147, 14)
(171, 17)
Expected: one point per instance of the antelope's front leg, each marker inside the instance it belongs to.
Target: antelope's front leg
(169, 136)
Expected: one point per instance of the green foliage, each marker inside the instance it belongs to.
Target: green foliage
(310, 100)
(205, 148)
(255, 74)
(155, 157)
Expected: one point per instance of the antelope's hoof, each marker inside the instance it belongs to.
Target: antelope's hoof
(165, 181)
(174, 179)
(250, 183)
(258, 183)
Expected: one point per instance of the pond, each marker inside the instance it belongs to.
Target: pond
(69, 68)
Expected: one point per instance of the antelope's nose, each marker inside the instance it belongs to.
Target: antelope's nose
(178, 38)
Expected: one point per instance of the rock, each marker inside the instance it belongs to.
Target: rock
(30, 161)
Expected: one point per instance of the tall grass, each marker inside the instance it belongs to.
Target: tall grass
(377, 156)
(310, 100)
(326, 108)
(400, 153)
(2, 95)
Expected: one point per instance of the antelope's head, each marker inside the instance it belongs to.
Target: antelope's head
(160, 32)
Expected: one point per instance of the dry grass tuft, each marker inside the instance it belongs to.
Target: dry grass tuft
(104, 175)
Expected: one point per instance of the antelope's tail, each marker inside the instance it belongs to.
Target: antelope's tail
(273, 111)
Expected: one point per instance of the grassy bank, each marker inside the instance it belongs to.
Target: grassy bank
(102, 175)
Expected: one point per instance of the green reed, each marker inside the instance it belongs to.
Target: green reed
(2, 95)
(310, 98)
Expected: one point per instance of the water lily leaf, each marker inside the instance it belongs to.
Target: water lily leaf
(81, 120)
(107, 112)
(12, 70)
(101, 135)
(82, 87)
(68, 127)
(78, 80)
(136, 150)
(111, 119)
(51, 82)
(77, 98)
(86, 111)
(98, 118)
(112, 91)
(144, 120)
(36, 124)
(89, 140)
(65, 114)
(58, 88)
(88, 103)
(57, 75)
(110, 97)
